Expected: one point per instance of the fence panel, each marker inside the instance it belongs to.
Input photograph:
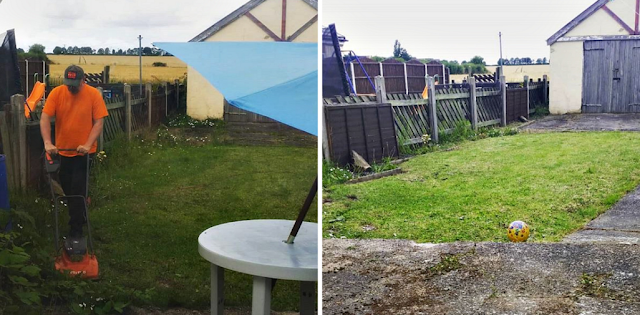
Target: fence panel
(452, 106)
(489, 107)
(416, 77)
(367, 129)
(394, 76)
(364, 80)
(516, 104)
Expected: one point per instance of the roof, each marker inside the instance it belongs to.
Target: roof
(571, 25)
(326, 34)
(252, 4)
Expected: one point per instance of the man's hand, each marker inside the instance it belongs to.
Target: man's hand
(83, 149)
(50, 148)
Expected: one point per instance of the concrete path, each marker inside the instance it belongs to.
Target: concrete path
(402, 277)
(587, 122)
(620, 224)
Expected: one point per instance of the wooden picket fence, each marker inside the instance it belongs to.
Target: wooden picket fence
(22, 142)
(447, 106)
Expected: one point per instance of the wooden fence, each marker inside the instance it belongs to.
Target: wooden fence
(409, 77)
(22, 142)
(444, 108)
(366, 129)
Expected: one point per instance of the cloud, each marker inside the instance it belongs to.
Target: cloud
(114, 24)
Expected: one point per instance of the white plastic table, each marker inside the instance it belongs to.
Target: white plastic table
(256, 247)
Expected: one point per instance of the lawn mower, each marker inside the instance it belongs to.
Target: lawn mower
(74, 257)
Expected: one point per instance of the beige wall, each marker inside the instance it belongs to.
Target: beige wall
(599, 23)
(567, 58)
(203, 100)
(565, 94)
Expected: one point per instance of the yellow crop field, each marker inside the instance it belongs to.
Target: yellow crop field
(122, 68)
(514, 73)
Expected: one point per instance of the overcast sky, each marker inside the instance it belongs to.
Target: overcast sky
(113, 23)
(451, 29)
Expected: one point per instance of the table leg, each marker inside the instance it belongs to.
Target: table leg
(307, 298)
(217, 290)
(261, 296)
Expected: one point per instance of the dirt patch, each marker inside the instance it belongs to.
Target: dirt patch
(402, 277)
(176, 311)
(587, 122)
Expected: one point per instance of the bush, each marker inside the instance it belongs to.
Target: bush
(159, 64)
(29, 282)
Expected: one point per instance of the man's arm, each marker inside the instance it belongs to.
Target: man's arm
(93, 136)
(45, 131)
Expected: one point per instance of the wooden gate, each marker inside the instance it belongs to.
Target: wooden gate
(611, 77)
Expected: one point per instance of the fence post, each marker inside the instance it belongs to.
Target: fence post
(473, 103)
(177, 83)
(526, 85)
(166, 99)
(127, 109)
(503, 93)
(545, 88)
(149, 93)
(353, 78)
(433, 113)
(101, 137)
(325, 137)
(20, 145)
(381, 90)
(406, 80)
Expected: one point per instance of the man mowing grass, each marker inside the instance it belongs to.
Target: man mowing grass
(79, 111)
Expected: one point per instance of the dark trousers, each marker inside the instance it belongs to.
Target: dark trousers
(73, 178)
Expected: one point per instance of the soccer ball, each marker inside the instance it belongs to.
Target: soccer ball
(518, 231)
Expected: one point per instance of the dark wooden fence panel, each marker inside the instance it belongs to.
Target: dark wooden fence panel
(366, 129)
(516, 104)
(364, 80)
(234, 114)
(394, 76)
(416, 77)
(27, 79)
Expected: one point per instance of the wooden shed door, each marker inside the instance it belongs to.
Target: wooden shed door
(611, 77)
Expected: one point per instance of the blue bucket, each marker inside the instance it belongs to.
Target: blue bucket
(4, 188)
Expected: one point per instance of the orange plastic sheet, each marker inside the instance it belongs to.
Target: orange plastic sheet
(36, 95)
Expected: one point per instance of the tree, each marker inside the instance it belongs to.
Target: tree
(477, 60)
(101, 51)
(58, 50)
(120, 52)
(399, 52)
(146, 51)
(544, 60)
(107, 51)
(36, 51)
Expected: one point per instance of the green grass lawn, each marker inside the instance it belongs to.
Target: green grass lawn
(556, 182)
(151, 203)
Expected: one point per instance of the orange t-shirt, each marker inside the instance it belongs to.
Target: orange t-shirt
(74, 116)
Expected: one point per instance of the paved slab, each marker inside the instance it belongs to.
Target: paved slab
(620, 224)
(587, 122)
(402, 277)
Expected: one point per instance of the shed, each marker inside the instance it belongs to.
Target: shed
(257, 20)
(595, 60)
